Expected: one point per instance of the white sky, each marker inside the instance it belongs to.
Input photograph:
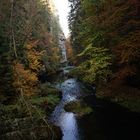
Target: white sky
(63, 10)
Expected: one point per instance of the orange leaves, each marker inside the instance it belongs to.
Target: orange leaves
(34, 56)
(24, 79)
(128, 56)
(25, 75)
(126, 71)
(129, 50)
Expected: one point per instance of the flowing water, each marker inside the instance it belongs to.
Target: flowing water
(70, 92)
(65, 120)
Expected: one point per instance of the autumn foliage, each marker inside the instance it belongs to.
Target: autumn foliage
(25, 79)
(28, 46)
(110, 24)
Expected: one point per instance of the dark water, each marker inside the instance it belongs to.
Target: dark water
(108, 121)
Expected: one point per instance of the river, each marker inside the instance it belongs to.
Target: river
(65, 120)
(108, 121)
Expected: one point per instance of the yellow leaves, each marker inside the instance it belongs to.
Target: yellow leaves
(34, 61)
(34, 56)
(32, 44)
(24, 79)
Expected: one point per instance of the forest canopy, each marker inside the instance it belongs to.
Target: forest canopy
(28, 45)
(105, 38)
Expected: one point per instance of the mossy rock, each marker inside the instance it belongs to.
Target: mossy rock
(78, 107)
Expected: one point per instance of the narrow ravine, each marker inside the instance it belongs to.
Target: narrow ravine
(107, 121)
(71, 91)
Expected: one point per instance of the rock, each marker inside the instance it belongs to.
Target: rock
(78, 107)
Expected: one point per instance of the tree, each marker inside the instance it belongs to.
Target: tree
(26, 39)
(112, 25)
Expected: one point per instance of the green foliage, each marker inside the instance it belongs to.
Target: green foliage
(132, 105)
(96, 67)
(36, 100)
(12, 111)
(46, 89)
(50, 99)
(43, 105)
(53, 99)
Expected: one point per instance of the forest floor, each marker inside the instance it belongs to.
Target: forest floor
(19, 122)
